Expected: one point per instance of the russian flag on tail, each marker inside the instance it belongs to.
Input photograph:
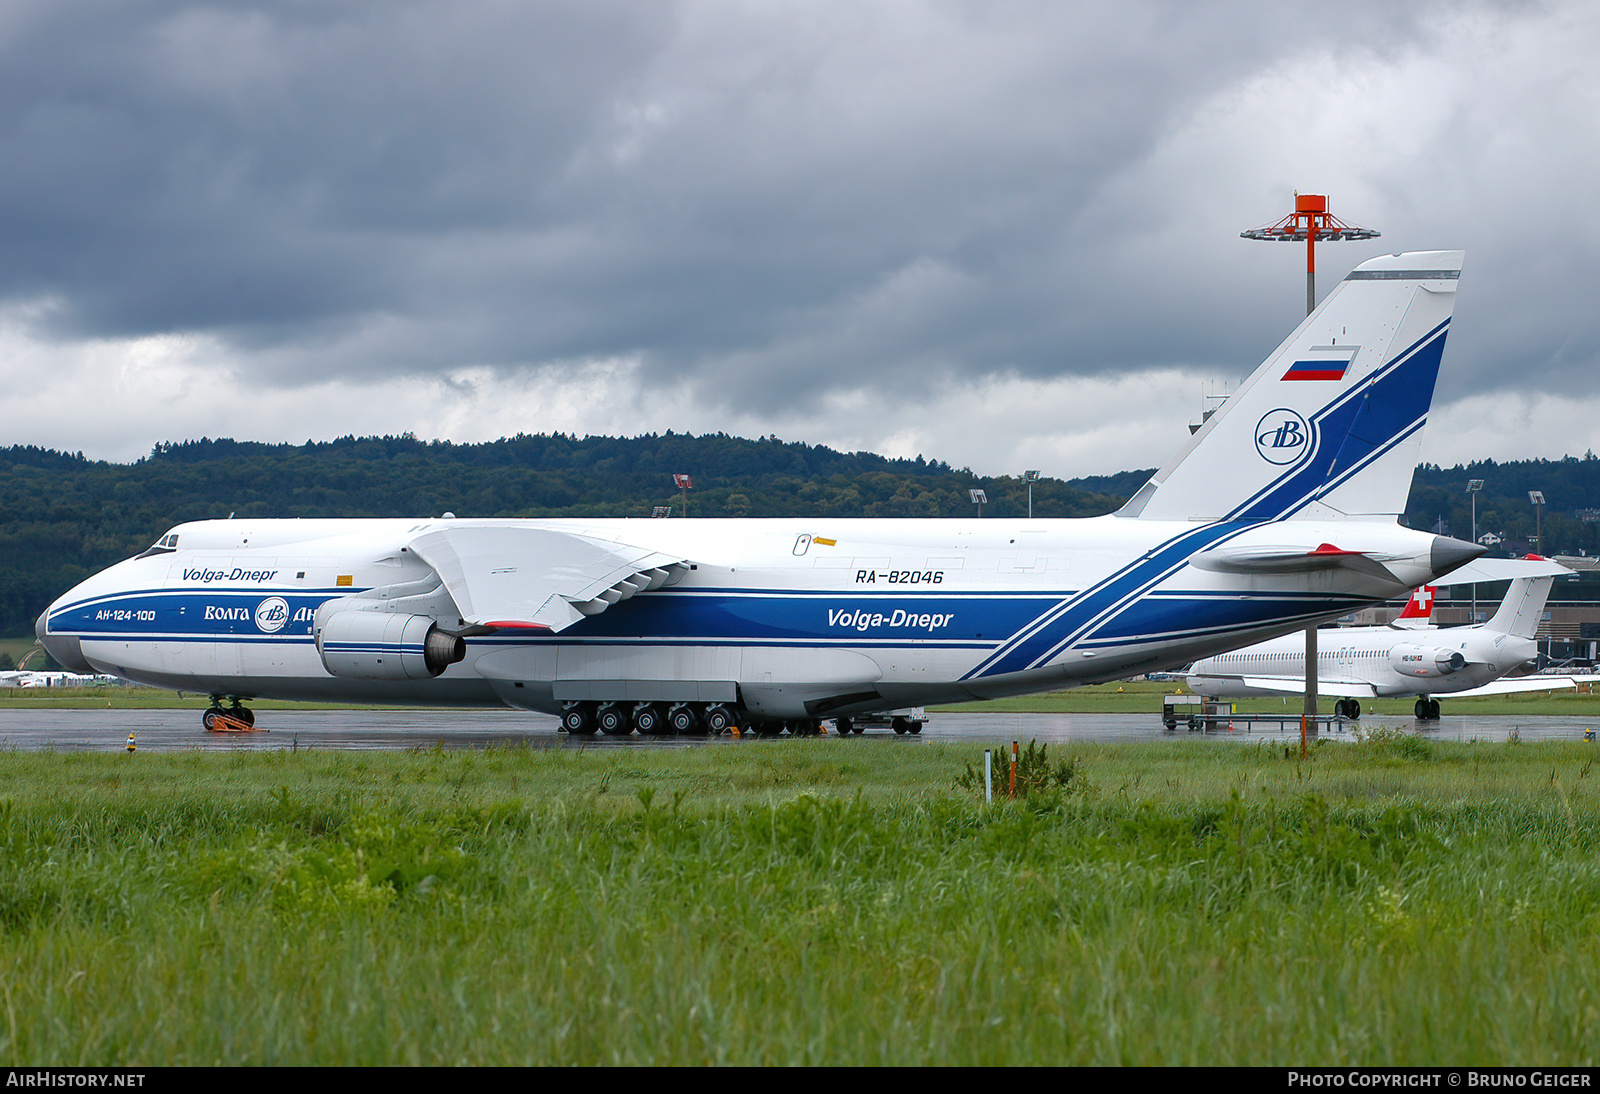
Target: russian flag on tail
(1317, 370)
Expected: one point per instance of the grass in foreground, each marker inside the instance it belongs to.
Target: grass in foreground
(1393, 901)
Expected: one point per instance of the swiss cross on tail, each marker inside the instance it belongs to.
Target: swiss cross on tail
(1420, 606)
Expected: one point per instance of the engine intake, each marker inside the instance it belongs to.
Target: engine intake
(362, 645)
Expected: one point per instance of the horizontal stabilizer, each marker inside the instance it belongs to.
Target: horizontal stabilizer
(539, 578)
(1505, 569)
(1280, 560)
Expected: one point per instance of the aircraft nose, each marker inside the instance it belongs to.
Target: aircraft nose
(63, 647)
(1451, 554)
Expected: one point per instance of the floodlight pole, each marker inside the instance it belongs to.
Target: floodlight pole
(1473, 486)
(1030, 477)
(1310, 221)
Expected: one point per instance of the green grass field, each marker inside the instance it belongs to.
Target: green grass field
(22, 649)
(1388, 901)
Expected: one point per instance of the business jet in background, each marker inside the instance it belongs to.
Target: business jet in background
(1409, 656)
(1279, 512)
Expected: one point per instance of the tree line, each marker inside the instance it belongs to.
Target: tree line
(65, 516)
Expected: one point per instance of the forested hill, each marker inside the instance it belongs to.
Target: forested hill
(63, 516)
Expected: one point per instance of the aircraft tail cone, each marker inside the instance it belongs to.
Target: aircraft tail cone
(1451, 554)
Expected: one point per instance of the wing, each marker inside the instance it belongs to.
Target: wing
(540, 578)
(1517, 684)
(1355, 689)
(1285, 685)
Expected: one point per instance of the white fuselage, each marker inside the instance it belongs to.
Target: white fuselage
(1278, 511)
(1368, 661)
(786, 617)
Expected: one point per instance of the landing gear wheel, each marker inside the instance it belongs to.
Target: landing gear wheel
(1420, 709)
(612, 720)
(578, 719)
(647, 720)
(683, 720)
(844, 726)
(1354, 706)
(209, 719)
(718, 719)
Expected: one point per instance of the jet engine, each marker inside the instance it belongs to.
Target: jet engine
(1428, 662)
(369, 645)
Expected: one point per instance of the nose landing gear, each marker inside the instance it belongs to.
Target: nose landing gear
(230, 719)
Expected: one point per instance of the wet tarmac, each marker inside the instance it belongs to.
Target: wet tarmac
(400, 729)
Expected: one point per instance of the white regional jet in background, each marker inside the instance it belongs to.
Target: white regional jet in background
(1404, 658)
(1280, 511)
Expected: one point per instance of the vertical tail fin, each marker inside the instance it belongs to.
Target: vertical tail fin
(1523, 607)
(1331, 423)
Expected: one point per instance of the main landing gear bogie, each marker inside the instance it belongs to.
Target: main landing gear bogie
(619, 719)
(1347, 708)
(1427, 710)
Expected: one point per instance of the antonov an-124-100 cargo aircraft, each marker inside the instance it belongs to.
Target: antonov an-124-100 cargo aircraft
(1281, 511)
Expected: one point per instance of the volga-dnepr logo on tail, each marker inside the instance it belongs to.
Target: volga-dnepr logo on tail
(1282, 436)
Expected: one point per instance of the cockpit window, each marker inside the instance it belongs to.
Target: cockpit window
(163, 546)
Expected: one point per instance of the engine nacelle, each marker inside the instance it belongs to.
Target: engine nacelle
(362, 645)
(1427, 662)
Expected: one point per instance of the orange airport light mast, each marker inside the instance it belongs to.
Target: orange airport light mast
(1310, 222)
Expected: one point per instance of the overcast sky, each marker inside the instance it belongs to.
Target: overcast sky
(1001, 234)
